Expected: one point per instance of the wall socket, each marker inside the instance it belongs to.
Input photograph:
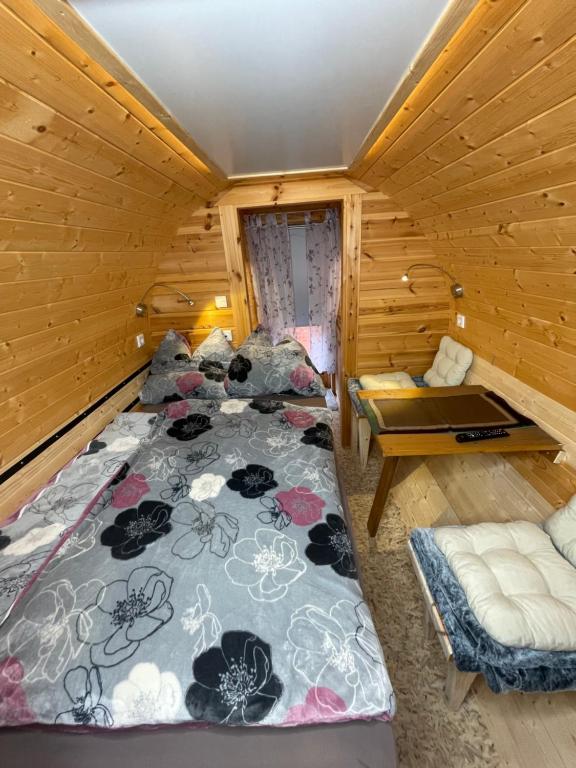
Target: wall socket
(140, 341)
(221, 302)
(461, 321)
(227, 333)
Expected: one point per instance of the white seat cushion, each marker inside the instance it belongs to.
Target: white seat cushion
(521, 590)
(450, 364)
(561, 527)
(398, 380)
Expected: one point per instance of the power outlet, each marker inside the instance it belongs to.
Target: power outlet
(227, 333)
(221, 302)
(461, 321)
(140, 341)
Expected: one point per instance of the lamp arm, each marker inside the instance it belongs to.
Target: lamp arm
(171, 287)
(433, 266)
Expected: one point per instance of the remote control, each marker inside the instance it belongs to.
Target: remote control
(481, 434)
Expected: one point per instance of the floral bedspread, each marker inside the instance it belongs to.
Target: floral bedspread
(213, 581)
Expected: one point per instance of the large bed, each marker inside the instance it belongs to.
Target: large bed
(186, 590)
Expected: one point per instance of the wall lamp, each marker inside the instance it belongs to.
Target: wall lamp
(142, 309)
(456, 289)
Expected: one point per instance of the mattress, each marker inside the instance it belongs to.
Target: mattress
(222, 537)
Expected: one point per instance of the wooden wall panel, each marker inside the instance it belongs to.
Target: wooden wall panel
(194, 262)
(483, 159)
(399, 324)
(92, 190)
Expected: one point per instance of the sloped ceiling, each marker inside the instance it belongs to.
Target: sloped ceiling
(268, 86)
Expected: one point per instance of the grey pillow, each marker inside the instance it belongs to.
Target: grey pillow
(215, 347)
(260, 337)
(189, 385)
(173, 354)
(266, 370)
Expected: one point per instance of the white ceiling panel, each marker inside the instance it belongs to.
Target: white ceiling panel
(268, 86)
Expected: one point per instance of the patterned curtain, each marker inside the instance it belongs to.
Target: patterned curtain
(323, 258)
(269, 248)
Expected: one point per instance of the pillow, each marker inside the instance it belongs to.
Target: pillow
(260, 336)
(450, 364)
(561, 528)
(173, 354)
(267, 370)
(183, 385)
(215, 347)
(396, 380)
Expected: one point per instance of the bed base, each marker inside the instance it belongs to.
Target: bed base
(457, 683)
(358, 743)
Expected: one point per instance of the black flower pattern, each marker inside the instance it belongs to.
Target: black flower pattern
(94, 446)
(253, 481)
(235, 684)
(125, 613)
(84, 689)
(182, 356)
(121, 474)
(172, 398)
(239, 368)
(320, 435)
(331, 545)
(200, 457)
(213, 370)
(4, 540)
(177, 489)
(273, 513)
(134, 529)
(267, 406)
(190, 427)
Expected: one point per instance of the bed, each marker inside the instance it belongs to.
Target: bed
(188, 585)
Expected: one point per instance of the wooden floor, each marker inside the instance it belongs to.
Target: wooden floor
(529, 731)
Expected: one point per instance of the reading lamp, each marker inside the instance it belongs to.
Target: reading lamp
(456, 289)
(142, 309)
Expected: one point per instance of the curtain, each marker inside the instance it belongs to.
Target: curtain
(268, 242)
(323, 259)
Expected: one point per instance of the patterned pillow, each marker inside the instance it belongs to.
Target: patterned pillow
(260, 337)
(180, 385)
(173, 354)
(267, 370)
(215, 347)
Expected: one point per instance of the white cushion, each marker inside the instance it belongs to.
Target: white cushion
(561, 528)
(521, 590)
(399, 380)
(450, 364)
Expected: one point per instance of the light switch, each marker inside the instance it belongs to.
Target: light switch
(227, 333)
(461, 321)
(140, 340)
(221, 302)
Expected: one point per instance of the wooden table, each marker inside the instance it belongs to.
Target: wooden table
(393, 446)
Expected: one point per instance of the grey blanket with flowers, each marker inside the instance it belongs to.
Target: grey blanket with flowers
(210, 580)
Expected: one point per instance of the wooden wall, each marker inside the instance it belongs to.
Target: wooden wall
(482, 155)
(91, 192)
(399, 324)
(194, 262)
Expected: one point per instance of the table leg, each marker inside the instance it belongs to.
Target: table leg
(384, 484)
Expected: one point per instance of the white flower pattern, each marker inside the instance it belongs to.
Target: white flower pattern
(201, 624)
(147, 696)
(266, 564)
(233, 406)
(207, 486)
(276, 442)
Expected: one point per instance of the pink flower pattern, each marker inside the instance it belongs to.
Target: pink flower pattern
(302, 376)
(320, 705)
(189, 382)
(299, 419)
(130, 491)
(177, 410)
(303, 506)
(14, 708)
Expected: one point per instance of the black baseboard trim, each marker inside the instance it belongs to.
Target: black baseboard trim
(70, 425)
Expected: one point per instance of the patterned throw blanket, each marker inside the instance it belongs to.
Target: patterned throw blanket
(211, 581)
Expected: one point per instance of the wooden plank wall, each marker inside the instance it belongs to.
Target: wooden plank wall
(399, 324)
(90, 196)
(194, 262)
(482, 155)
